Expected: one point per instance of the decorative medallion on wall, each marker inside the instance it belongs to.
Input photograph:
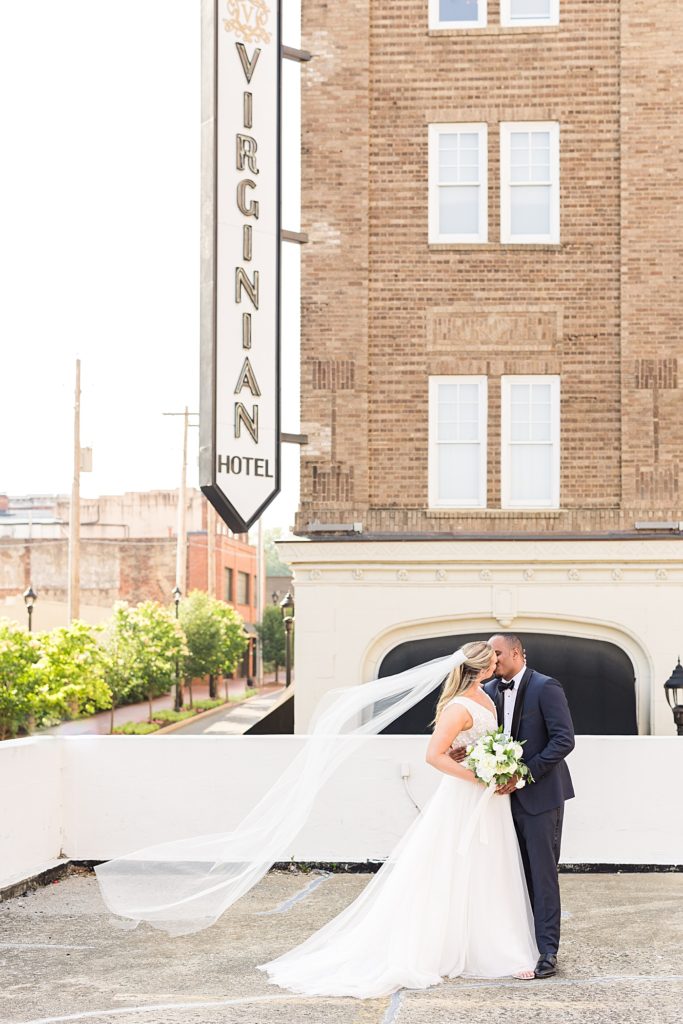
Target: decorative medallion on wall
(617, 574)
(357, 574)
(661, 574)
(528, 574)
(314, 574)
(573, 575)
(441, 575)
(402, 575)
(485, 575)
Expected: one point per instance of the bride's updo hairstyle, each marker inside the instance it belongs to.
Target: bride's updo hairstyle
(477, 657)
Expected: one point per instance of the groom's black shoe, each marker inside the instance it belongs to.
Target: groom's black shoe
(546, 966)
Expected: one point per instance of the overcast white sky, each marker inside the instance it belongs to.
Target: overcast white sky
(99, 242)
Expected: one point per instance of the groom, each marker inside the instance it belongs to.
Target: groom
(533, 708)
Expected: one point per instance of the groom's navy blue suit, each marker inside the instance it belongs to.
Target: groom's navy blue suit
(541, 718)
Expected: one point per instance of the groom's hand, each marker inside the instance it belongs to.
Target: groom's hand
(509, 787)
(458, 754)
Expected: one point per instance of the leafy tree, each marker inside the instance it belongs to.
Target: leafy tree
(141, 647)
(233, 640)
(69, 675)
(274, 567)
(19, 651)
(203, 635)
(271, 631)
(214, 634)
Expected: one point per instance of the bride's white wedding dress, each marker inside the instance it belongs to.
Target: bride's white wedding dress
(450, 901)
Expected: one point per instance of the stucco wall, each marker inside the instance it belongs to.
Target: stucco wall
(96, 797)
(357, 599)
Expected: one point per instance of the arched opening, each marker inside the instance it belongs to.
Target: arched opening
(597, 676)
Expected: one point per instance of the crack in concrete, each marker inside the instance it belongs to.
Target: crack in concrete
(390, 1016)
(282, 908)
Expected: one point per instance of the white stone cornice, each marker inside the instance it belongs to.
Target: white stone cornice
(527, 563)
(445, 553)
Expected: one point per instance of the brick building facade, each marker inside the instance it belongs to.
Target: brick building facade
(128, 553)
(490, 327)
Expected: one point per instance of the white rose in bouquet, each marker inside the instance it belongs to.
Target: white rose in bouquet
(495, 759)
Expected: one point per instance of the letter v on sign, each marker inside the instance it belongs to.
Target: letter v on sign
(248, 64)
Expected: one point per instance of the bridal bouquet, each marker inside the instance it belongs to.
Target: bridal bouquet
(495, 758)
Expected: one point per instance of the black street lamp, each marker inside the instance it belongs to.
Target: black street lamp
(30, 598)
(177, 594)
(673, 688)
(287, 609)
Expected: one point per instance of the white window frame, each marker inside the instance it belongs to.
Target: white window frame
(435, 131)
(434, 21)
(433, 460)
(507, 443)
(506, 130)
(507, 19)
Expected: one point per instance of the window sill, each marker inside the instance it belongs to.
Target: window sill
(496, 246)
(493, 513)
(494, 30)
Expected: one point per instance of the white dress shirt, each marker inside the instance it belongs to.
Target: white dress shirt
(509, 698)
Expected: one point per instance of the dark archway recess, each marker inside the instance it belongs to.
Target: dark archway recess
(598, 678)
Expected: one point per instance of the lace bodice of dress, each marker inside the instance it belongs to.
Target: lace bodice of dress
(483, 720)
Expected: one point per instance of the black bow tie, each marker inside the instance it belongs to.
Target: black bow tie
(502, 685)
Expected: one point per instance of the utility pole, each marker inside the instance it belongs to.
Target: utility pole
(210, 549)
(181, 549)
(74, 559)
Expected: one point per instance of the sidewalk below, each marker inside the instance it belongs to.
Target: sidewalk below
(61, 959)
(99, 724)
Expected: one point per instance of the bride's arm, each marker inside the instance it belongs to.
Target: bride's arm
(452, 720)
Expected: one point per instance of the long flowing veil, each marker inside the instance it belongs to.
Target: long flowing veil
(185, 885)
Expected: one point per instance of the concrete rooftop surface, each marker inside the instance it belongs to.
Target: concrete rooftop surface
(61, 959)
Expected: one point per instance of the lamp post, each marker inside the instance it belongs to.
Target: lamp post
(178, 695)
(287, 609)
(673, 688)
(30, 598)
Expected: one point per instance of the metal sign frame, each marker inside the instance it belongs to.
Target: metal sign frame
(237, 513)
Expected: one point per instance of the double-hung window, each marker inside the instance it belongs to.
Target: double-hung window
(529, 12)
(457, 442)
(530, 182)
(530, 435)
(242, 588)
(457, 183)
(457, 13)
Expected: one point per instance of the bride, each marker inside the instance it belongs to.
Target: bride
(452, 899)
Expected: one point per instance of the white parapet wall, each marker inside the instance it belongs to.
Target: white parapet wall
(30, 806)
(93, 798)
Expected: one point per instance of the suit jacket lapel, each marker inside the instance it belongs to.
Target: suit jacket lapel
(519, 703)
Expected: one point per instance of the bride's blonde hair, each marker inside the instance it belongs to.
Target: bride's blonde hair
(477, 657)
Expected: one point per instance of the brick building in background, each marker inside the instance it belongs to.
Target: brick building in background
(491, 343)
(128, 553)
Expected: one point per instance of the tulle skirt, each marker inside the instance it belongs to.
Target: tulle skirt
(450, 901)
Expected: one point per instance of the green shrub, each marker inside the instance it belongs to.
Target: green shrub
(172, 716)
(19, 652)
(207, 705)
(69, 675)
(135, 728)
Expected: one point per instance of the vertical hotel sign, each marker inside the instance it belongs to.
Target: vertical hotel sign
(240, 399)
